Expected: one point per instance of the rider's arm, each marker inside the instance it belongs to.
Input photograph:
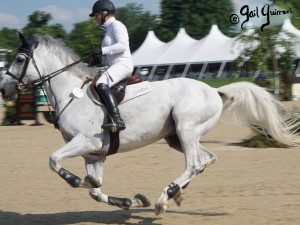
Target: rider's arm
(120, 35)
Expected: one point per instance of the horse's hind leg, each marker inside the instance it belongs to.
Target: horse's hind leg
(94, 166)
(197, 158)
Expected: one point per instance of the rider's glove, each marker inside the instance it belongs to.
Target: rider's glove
(96, 51)
(95, 56)
(95, 60)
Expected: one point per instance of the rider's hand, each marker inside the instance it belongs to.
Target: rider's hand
(95, 60)
(96, 51)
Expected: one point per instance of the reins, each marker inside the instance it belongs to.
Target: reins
(21, 87)
(38, 82)
(48, 78)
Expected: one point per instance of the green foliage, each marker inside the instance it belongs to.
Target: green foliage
(85, 35)
(270, 51)
(294, 6)
(261, 141)
(137, 23)
(9, 39)
(218, 82)
(38, 25)
(10, 117)
(88, 33)
(197, 16)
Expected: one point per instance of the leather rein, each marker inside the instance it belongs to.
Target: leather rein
(21, 87)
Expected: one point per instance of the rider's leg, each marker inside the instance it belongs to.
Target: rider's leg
(112, 107)
(113, 75)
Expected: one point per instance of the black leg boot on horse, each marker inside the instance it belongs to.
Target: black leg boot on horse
(116, 123)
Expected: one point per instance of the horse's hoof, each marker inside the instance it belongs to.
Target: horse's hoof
(160, 208)
(142, 200)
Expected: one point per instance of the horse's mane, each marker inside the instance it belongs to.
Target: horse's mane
(66, 55)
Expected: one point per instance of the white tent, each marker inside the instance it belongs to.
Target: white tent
(148, 51)
(289, 27)
(176, 51)
(215, 48)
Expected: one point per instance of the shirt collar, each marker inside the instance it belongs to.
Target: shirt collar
(108, 22)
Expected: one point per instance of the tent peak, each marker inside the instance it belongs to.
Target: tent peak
(181, 25)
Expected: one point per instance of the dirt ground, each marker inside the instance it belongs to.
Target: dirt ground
(244, 187)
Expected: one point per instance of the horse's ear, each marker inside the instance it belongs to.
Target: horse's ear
(22, 38)
(31, 38)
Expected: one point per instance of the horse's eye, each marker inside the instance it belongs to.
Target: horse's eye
(20, 60)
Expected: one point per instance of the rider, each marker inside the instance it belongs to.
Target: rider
(115, 46)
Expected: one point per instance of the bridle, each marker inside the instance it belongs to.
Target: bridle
(21, 87)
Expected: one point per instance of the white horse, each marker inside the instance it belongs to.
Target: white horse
(178, 110)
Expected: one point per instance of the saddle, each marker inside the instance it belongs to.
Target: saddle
(119, 92)
(118, 89)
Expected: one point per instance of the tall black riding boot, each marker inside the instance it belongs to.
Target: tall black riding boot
(111, 104)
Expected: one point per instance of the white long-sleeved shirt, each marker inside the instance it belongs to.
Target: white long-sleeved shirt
(115, 44)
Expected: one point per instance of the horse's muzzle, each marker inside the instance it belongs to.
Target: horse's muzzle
(2, 91)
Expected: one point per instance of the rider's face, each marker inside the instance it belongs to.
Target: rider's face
(98, 18)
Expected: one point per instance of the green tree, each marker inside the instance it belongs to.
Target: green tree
(39, 25)
(294, 5)
(270, 51)
(9, 39)
(88, 33)
(137, 22)
(83, 36)
(197, 16)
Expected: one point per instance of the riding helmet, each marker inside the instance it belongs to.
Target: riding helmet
(103, 5)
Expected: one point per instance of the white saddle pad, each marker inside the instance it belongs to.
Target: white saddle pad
(132, 91)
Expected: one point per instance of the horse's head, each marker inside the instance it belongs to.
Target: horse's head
(22, 69)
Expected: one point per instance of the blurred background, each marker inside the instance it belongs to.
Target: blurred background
(215, 41)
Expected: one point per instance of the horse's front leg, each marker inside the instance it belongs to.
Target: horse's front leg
(78, 146)
(94, 166)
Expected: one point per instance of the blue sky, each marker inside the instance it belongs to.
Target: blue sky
(14, 13)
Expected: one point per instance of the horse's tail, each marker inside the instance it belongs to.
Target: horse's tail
(251, 105)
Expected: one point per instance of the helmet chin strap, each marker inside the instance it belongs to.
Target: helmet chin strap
(103, 16)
